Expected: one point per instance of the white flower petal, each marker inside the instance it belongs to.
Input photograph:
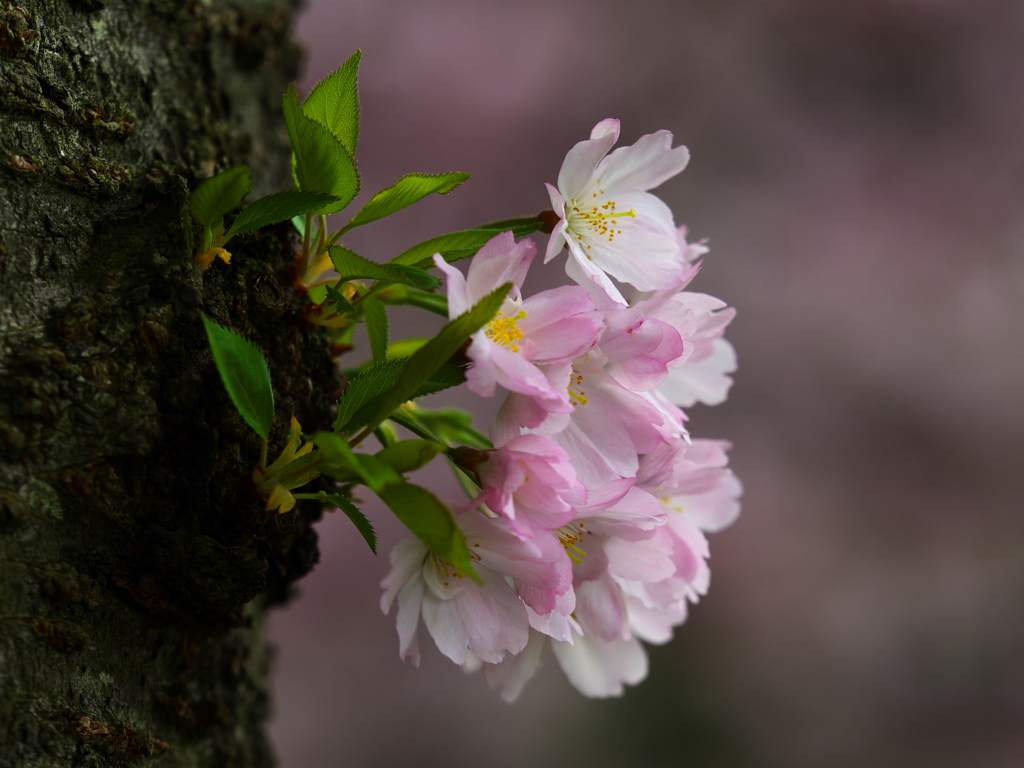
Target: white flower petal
(705, 381)
(581, 161)
(646, 164)
(600, 670)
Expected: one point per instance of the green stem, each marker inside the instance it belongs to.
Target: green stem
(306, 238)
(321, 234)
(378, 285)
(360, 437)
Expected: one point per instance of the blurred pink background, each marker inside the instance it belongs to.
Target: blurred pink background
(858, 169)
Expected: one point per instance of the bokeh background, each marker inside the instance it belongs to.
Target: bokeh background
(858, 169)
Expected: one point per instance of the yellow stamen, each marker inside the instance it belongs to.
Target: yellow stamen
(570, 535)
(600, 218)
(503, 331)
(577, 395)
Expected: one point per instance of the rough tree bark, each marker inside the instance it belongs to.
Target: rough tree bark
(136, 561)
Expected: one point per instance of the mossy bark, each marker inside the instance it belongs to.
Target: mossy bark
(136, 561)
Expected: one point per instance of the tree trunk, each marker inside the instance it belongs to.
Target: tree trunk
(137, 562)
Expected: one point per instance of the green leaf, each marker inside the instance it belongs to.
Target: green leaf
(462, 245)
(354, 514)
(367, 390)
(447, 425)
(447, 375)
(408, 418)
(348, 466)
(410, 189)
(320, 160)
(243, 369)
(432, 302)
(278, 207)
(340, 302)
(377, 474)
(453, 425)
(408, 455)
(469, 486)
(432, 355)
(365, 387)
(338, 453)
(334, 103)
(351, 266)
(520, 227)
(219, 194)
(432, 522)
(376, 327)
(405, 347)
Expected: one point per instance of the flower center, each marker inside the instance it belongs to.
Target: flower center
(599, 218)
(577, 395)
(445, 571)
(667, 501)
(571, 535)
(502, 330)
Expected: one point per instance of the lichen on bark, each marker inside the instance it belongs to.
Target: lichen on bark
(137, 562)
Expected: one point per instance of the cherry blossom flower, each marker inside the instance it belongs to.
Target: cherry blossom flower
(589, 529)
(549, 327)
(599, 669)
(610, 222)
(530, 481)
(640, 350)
(702, 374)
(606, 430)
(463, 617)
(699, 494)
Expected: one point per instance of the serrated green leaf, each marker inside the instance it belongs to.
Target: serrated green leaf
(376, 327)
(352, 266)
(278, 207)
(365, 387)
(432, 522)
(367, 390)
(334, 102)
(340, 302)
(219, 194)
(448, 375)
(432, 302)
(408, 455)
(405, 347)
(422, 254)
(245, 374)
(520, 227)
(320, 161)
(456, 246)
(354, 514)
(438, 350)
(410, 189)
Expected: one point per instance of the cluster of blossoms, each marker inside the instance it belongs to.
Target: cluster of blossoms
(588, 533)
